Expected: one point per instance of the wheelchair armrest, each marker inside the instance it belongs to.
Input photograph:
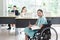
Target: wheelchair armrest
(47, 25)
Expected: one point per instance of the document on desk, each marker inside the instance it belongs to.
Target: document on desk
(34, 27)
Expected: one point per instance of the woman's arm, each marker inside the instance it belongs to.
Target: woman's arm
(30, 25)
(41, 25)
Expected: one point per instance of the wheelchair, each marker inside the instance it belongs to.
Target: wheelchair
(44, 33)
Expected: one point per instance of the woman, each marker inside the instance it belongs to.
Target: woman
(23, 11)
(39, 23)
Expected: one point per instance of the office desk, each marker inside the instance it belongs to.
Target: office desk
(7, 20)
(54, 20)
(24, 22)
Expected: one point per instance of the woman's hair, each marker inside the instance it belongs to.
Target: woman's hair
(14, 6)
(40, 10)
(22, 9)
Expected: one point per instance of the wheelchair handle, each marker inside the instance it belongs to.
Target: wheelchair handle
(49, 28)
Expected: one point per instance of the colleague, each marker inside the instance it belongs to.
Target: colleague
(41, 20)
(16, 13)
(23, 12)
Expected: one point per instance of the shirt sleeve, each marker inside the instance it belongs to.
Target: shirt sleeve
(16, 12)
(12, 10)
(36, 21)
(43, 21)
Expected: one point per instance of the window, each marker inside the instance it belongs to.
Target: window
(50, 7)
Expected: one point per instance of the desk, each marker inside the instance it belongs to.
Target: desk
(54, 20)
(23, 22)
(7, 20)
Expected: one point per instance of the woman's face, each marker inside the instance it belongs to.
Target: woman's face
(39, 13)
(24, 10)
(14, 8)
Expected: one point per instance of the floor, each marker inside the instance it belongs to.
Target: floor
(7, 35)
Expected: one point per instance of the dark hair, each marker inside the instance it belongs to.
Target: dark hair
(22, 9)
(40, 10)
(14, 6)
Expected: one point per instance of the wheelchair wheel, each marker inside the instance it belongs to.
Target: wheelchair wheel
(45, 35)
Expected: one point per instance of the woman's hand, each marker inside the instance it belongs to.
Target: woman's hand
(35, 24)
(41, 26)
(30, 25)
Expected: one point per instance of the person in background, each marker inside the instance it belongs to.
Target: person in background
(39, 23)
(23, 11)
(16, 12)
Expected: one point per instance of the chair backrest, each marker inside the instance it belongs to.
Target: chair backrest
(47, 25)
(49, 22)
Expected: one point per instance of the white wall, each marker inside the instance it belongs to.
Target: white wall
(1, 7)
(5, 12)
